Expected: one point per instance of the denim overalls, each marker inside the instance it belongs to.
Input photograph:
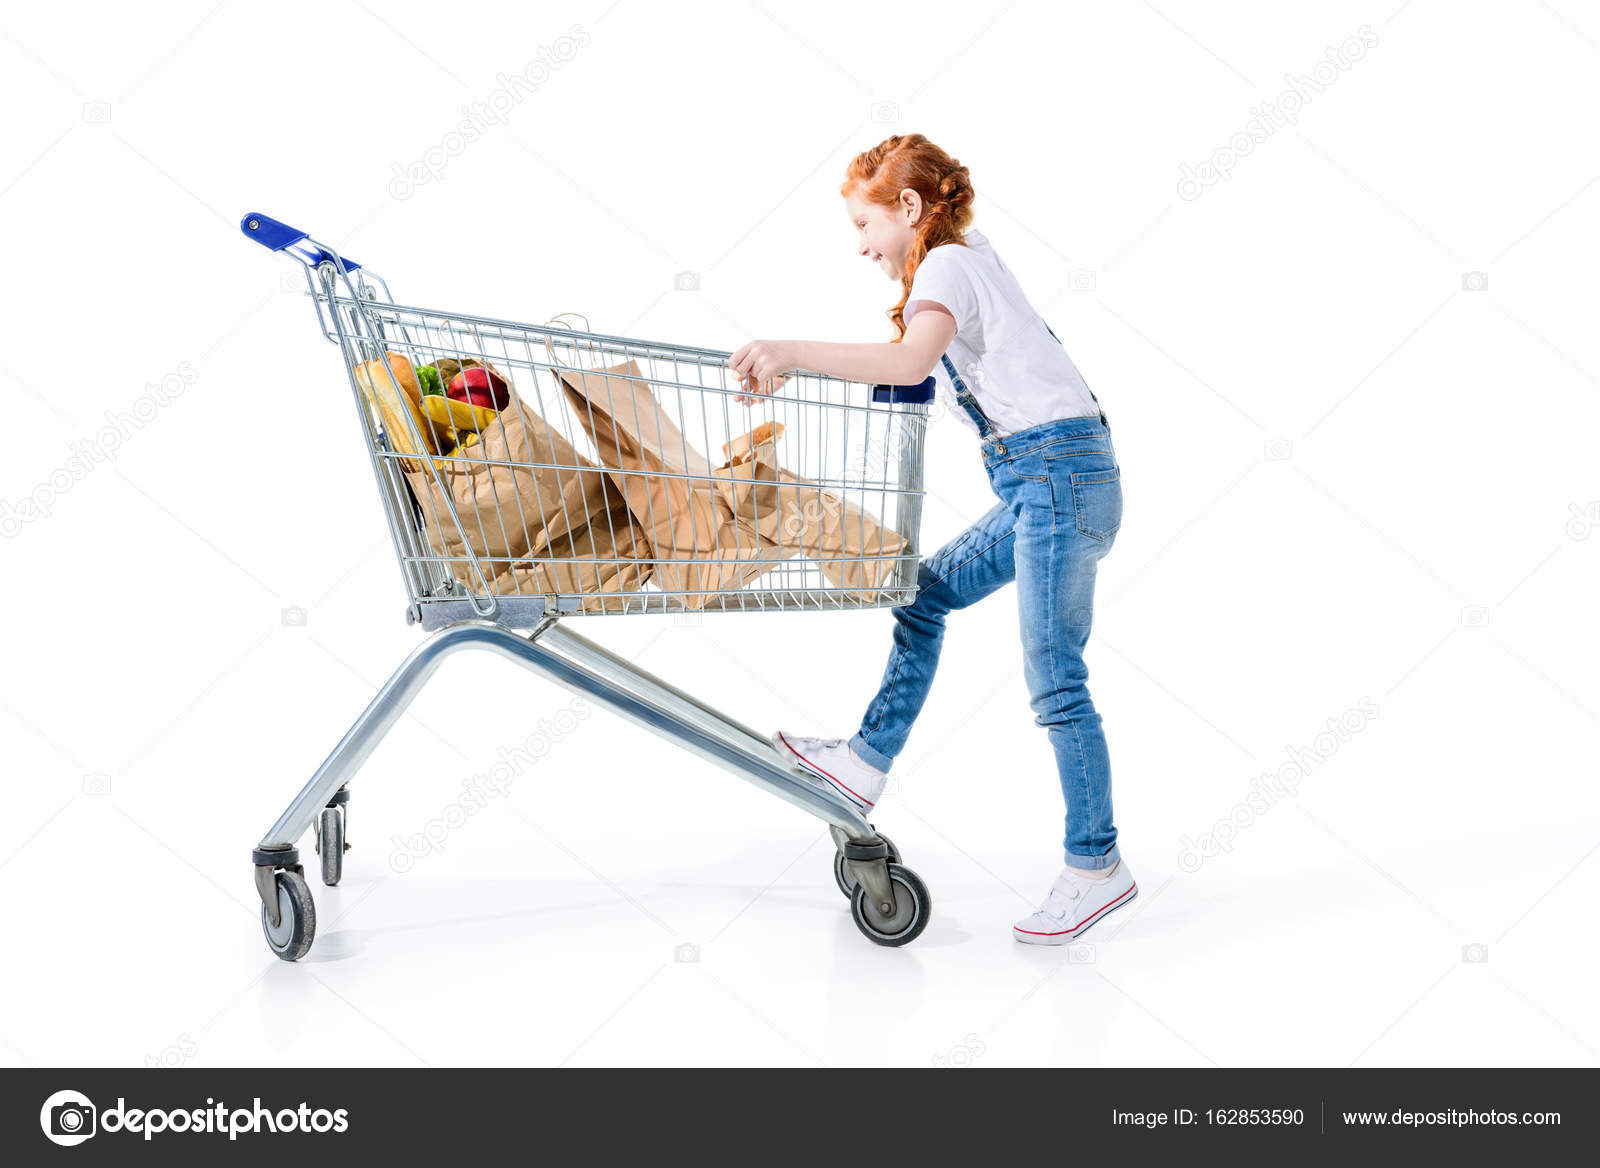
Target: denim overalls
(1060, 492)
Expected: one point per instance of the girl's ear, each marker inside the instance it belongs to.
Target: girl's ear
(911, 206)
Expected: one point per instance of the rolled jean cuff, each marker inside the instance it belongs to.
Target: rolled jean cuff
(869, 756)
(1094, 863)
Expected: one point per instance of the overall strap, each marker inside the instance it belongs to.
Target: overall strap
(969, 403)
(1103, 417)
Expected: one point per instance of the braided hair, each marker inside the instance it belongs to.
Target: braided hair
(910, 161)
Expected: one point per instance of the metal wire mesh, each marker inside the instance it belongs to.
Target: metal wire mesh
(621, 475)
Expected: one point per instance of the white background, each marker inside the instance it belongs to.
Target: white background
(1348, 475)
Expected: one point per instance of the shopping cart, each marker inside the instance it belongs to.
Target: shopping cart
(511, 517)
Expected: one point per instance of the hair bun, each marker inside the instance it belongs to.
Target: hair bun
(955, 188)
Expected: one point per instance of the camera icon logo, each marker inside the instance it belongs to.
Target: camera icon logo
(686, 954)
(1277, 450)
(686, 620)
(97, 113)
(294, 616)
(885, 111)
(686, 282)
(1475, 954)
(1081, 279)
(97, 784)
(1475, 282)
(68, 1118)
(291, 282)
(1475, 616)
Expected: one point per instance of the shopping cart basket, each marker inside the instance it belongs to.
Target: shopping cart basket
(567, 480)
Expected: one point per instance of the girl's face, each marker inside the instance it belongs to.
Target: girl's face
(885, 234)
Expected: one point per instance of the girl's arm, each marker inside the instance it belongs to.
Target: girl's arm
(759, 363)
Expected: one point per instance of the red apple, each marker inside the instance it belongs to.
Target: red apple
(480, 387)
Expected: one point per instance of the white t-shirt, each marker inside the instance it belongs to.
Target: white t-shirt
(1020, 375)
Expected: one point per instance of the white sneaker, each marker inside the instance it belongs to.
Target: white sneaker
(1075, 904)
(832, 761)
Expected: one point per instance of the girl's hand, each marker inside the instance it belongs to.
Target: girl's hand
(760, 365)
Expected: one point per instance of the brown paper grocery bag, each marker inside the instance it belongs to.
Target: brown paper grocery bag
(510, 511)
(633, 436)
(740, 556)
(748, 482)
(701, 547)
(803, 518)
(604, 557)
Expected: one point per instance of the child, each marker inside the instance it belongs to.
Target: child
(1047, 450)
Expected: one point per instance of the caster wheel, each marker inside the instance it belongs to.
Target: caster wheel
(330, 844)
(846, 879)
(297, 918)
(906, 919)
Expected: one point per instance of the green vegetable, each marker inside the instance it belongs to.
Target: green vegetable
(428, 378)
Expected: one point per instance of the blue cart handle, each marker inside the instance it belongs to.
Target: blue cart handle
(920, 394)
(275, 236)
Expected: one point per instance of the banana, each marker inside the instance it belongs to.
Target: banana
(458, 415)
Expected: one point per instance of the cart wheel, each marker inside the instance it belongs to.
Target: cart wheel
(297, 917)
(846, 879)
(912, 907)
(331, 845)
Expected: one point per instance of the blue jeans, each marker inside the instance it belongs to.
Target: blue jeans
(1060, 492)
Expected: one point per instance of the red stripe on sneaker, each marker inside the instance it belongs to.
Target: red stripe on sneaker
(1082, 925)
(822, 772)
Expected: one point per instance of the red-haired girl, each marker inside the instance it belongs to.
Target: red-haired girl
(1047, 450)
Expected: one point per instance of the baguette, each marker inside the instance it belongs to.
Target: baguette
(379, 380)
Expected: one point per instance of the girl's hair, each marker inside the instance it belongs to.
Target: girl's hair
(911, 161)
